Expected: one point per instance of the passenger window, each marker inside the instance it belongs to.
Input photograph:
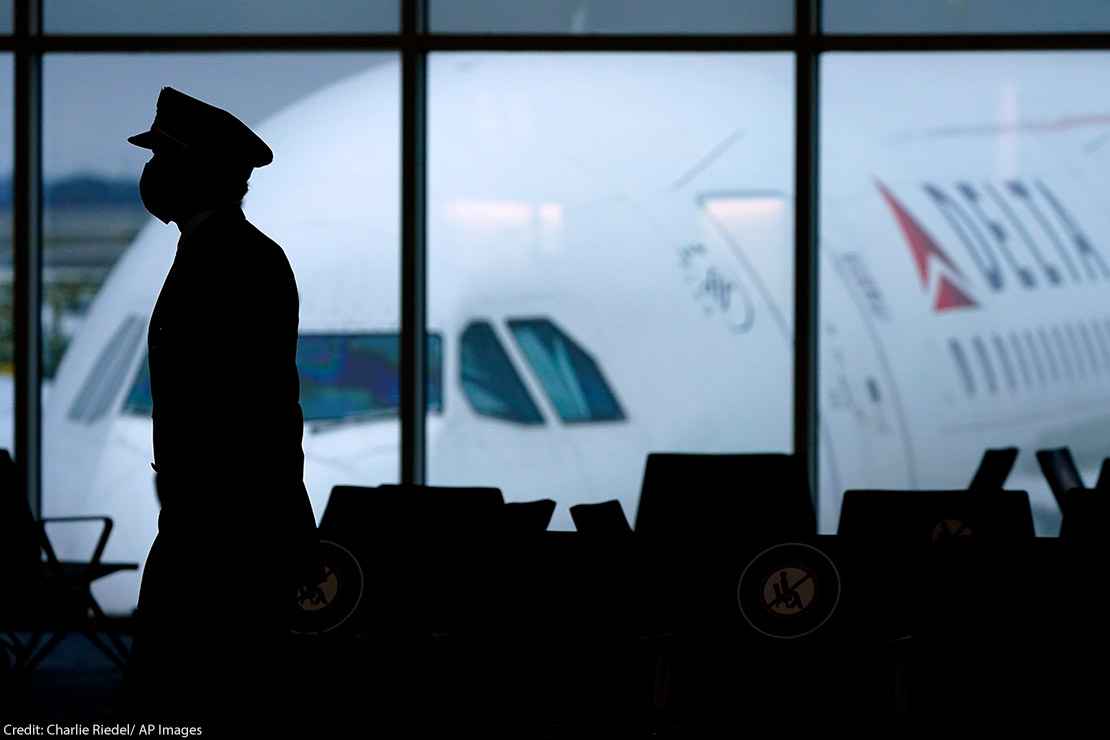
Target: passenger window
(490, 383)
(569, 375)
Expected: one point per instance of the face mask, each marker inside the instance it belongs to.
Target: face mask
(156, 192)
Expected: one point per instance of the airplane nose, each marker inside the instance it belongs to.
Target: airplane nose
(322, 472)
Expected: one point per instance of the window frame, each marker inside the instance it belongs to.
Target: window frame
(512, 323)
(522, 385)
(414, 42)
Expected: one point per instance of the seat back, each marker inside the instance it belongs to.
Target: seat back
(1087, 516)
(1061, 472)
(527, 517)
(1103, 483)
(724, 499)
(603, 519)
(994, 469)
(908, 519)
(426, 551)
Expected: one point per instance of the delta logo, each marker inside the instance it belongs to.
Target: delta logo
(930, 260)
(1016, 234)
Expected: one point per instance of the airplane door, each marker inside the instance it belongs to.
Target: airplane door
(862, 435)
(864, 438)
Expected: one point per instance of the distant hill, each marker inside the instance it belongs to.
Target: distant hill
(82, 190)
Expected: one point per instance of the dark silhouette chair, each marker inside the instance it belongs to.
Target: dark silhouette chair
(1086, 517)
(936, 565)
(1103, 483)
(913, 519)
(698, 516)
(435, 571)
(1061, 472)
(420, 546)
(47, 599)
(994, 469)
(728, 500)
(527, 517)
(603, 519)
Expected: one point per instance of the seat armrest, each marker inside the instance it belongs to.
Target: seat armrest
(105, 531)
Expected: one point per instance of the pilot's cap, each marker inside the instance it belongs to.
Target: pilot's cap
(199, 128)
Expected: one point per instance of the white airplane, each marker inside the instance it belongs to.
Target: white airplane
(610, 273)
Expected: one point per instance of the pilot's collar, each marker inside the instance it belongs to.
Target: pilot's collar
(194, 224)
(190, 226)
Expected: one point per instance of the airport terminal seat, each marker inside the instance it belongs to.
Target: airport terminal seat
(724, 500)
(603, 519)
(1062, 474)
(1060, 471)
(48, 599)
(528, 517)
(1085, 520)
(994, 469)
(701, 518)
(1103, 482)
(950, 575)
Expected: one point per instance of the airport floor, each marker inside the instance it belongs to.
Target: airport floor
(75, 683)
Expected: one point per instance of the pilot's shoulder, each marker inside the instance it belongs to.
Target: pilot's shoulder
(262, 252)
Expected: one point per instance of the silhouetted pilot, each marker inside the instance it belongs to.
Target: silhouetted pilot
(236, 527)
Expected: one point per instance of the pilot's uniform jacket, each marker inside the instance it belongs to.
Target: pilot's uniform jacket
(236, 526)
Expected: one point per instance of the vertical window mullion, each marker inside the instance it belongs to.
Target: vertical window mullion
(807, 20)
(414, 79)
(27, 249)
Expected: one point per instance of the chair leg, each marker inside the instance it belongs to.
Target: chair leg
(21, 650)
(35, 655)
(115, 654)
(100, 619)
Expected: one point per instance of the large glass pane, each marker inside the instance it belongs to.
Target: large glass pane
(966, 16)
(6, 17)
(620, 226)
(612, 16)
(330, 199)
(7, 330)
(220, 16)
(964, 268)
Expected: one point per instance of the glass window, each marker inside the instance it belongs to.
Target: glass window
(331, 119)
(570, 376)
(964, 264)
(107, 375)
(7, 18)
(489, 380)
(638, 207)
(358, 376)
(220, 16)
(344, 378)
(612, 16)
(965, 16)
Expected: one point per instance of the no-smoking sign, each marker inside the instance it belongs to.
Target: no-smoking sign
(789, 590)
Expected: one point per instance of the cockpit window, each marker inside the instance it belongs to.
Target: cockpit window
(343, 377)
(570, 377)
(489, 381)
(108, 373)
